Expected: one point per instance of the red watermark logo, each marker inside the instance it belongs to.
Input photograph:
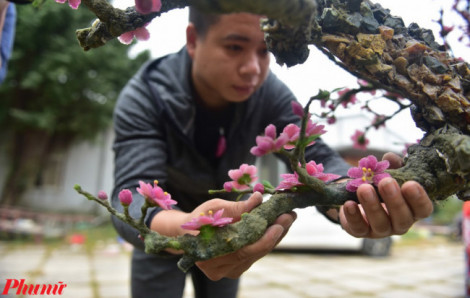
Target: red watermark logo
(32, 289)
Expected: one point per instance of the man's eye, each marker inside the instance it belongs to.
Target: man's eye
(234, 48)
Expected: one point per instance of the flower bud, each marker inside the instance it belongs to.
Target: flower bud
(259, 188)
(297, 108)
(125, 197)
(228, 186)
(102, 195)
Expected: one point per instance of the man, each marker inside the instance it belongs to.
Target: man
(169, 120)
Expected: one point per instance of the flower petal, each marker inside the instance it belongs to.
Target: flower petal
(127, 37)
(376, 179)
(142, 33)
(381, 166)
(355, 172)
(368, 162)
(314, 129)
(256, 151)
(327, 177)
(354, 184)
(235, 174)
(351, 188)
(74, 3)
(297, 108)
(270, 131)
(292, 131)
(281, 141)
(191, 225)
(264, 143)
(222, 221)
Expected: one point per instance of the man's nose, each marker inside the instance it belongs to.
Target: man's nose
(250, 65)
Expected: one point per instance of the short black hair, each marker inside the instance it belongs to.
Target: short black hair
(202, 21)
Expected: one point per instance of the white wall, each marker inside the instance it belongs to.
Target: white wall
(89, 164)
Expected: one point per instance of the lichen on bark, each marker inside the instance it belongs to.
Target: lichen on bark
(440, 163)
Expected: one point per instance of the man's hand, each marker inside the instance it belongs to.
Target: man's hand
(234, 264)
(400, 209)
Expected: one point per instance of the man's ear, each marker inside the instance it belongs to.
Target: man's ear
(191, 40)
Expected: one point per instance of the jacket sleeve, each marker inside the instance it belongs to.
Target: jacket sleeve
(140, 150)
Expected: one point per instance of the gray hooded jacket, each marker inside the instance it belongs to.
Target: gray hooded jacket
(154, 125)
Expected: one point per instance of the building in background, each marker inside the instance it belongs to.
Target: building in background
(87, 163)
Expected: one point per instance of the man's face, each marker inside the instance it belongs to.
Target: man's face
(231, 61)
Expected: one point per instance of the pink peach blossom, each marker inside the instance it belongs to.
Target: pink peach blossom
(369, 171)
(314, 129)
(269, 142)
(140, 33)
(345, 101)
(313, 169)
(155, 196)
(72, 3)
(289, 181)
(316, 170)
(243, 176)
(360, 140)
(215, 220)
(292, 133)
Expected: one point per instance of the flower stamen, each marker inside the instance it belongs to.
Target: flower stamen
(370, 171)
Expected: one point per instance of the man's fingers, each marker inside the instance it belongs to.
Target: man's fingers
(352, 220)
(254, 200)
(420, 204)
(263, 246)
(246, 206)
(234, 264)
(269, 240)
(395, 160)
(236, 209)
(376, 215)
(401, 217)
(285, 220)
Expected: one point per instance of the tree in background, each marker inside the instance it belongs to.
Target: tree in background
(55, 93)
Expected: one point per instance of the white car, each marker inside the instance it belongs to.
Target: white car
(313, 231)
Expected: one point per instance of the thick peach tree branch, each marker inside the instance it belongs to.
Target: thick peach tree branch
(367, 41)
